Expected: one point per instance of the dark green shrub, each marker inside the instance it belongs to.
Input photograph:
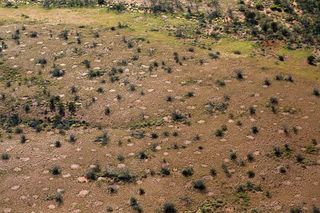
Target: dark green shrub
(199, 185)
(187, 172)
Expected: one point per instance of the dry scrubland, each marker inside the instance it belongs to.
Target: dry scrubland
(105, 111)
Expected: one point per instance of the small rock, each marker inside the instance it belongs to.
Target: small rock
(83, 193)
(51, 206)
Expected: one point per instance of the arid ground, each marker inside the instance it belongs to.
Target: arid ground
(108, 112)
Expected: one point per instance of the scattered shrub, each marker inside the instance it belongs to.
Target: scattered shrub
(55, 170)
(169, 208)
(239, 74)
(311, 60)
(316, 92)
(57, 72)
(213, 172)
(187, 172)
(5, 156)
(165, 171)
(199, 185)
(251, 174)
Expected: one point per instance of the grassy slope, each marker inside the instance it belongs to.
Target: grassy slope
(156, 29)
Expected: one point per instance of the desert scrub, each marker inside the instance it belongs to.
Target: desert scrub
(221, 131)
(55, 170)
(316, 92)
(120, 175)
(57, 72)
(5, 156)
(219, 106)
(178, 116)
(165, 171)
(187, 171)
(133, 202)
(169, 208)
(239, 74)
(103, 139)
(213, 172)
(93, 172)
(199, 185)
(95, 73)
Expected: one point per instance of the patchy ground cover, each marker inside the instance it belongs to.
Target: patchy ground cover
(113, 112)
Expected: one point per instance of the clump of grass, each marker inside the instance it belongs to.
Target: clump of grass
(87, 63)
(169, 208)
(279, 77)
(239, 74)
(58, 198)
(212, 107)
(120, 175)
(299, 158)
(107, 110)
(169, 98)
(72, 138)
(226, 170)
(18, 130)
(214, 55)
(64, 34)
(189, 94)
(281, 57)
(267, 82)
(57, 144)
(142, 155)
(16, 35)
(55, 170)
(178, 116)
(5, 156)
(251, 174)
(316, 92)
(165, 171)
(73, 89)
(213, 172)
(254, 130)
(199, 185)
(57, 73)
(23, 139)
(132, 87)
(177, 58)
(220, 83)
(311, 60)
(273, 101)
(133, 202)
(187, 171)
(233, 155)
(296, 210)
(103, 139)
(95, 73)
(315, 209)
(33, 34)
(141, 191)
(221, 131)
(100, 90)
(92, 173)
(277, 151)
(252, 110)
(154, 135)
(289, 78)
(112, 189)
(250, 157)
(41, 61)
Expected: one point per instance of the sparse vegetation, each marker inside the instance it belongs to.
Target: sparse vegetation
(159, 106)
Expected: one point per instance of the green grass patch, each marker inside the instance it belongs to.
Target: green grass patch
(146, 123)
(295, 54)
(229, 45)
